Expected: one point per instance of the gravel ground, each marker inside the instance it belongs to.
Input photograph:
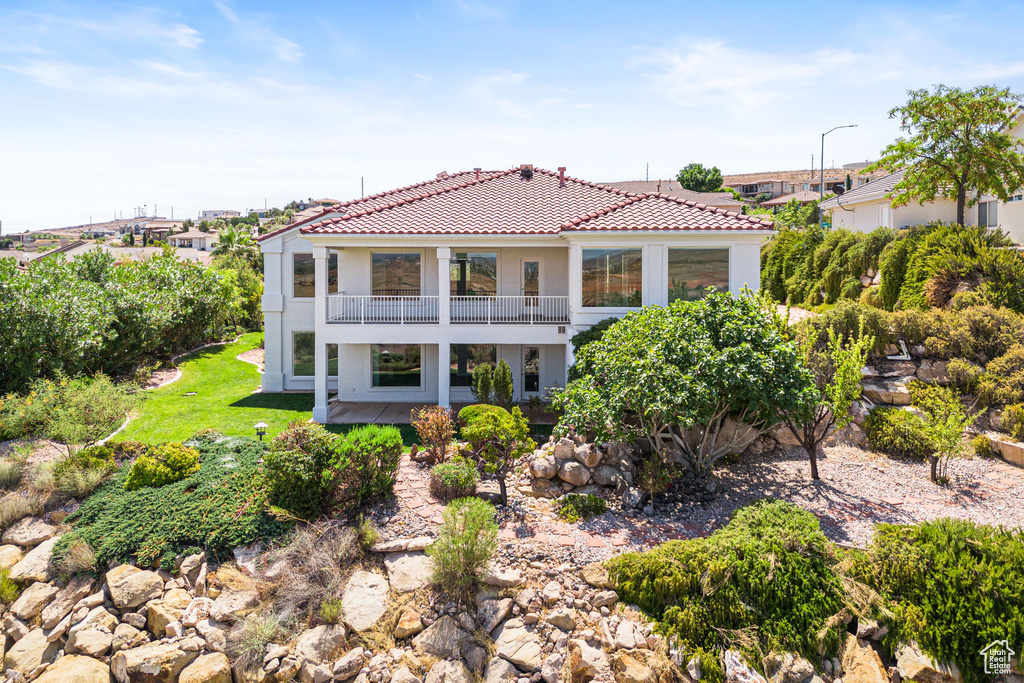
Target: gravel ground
(857, 489)
(161, 377)
(255, 356)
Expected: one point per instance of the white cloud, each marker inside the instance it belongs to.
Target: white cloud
(495, 92)
(476, 9)
(254, 29)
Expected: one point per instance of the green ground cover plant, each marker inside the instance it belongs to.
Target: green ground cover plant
(766, 582)
(573, 507)
(955, 586)
(217, 508)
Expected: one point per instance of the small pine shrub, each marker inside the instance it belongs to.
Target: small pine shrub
(456, 478)
(502, 380)
(898, 433)
(296, 469)
(436, 428)
(165, 464)
(466, 541)
(470, 414)
(963, 374)
(482, 382)
(367, 532)
(1013, 421)
(956, 586)
(331, 611)
(574, 507)
(982, 447)
(366, 464)
(9, 591)
(770, 572)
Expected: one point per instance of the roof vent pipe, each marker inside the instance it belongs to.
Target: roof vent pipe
(561, 176)
(526, 171)
(477, 169)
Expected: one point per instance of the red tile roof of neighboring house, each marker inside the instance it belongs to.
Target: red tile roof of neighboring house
(802, 196)
(673, 188)
(506, 203)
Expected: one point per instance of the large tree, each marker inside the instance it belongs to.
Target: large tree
(699, 179)
(958, 146)
(696, 379)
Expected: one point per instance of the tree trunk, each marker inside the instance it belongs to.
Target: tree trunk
(961, 204)
(813, 454)
(501, 489)
(934, 459)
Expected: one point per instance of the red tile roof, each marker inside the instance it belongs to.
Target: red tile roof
(505, 203)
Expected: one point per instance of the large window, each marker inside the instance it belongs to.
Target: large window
(304, 275)
(692, 271)
(988, 214)
(396, 365)
(396, 274)
(612, 277)
(474, 274)
(304, 360)
(465, 358)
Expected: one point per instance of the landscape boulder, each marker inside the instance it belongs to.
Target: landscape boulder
(159, 662)
(860, 662)
(514, 643)
(573, 473)
(30, 652)
(586, 663)
(10, 555)
(316, 646)
(408, 571)
(441, 638)
(738, 671)
(76, 669)
(78, 588)
(211, 668)
(915, 665)
(365, 600)
(36, 565)
(233, 604)
(32, 600)
(130, 586)
(28, 532)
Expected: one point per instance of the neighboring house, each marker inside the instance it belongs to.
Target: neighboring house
(193, 239)
(214, 214)
(803, 198)
(868, 207)
(717, 200)
(778, 183)
(397, 297)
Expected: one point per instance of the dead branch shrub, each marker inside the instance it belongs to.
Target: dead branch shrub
(315, 566)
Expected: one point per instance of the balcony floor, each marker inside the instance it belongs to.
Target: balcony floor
(356, 412)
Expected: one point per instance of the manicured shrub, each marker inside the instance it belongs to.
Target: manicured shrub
(482, 382)
(573, 507)
(898, 433)
(218, 507)
(165, 464)
(956, 586)
(436, 428)
(503, 387)
(845, 320)
(296, 469)
(1013, 421)
(1003, 380)
(365, 464)
(456, 478)
(770, 572)
(466, 541)
(469, 414)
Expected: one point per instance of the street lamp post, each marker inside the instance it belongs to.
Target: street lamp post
(821, 181)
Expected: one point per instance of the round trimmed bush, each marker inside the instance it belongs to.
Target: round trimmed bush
(470, 414)
(165, 464)
(456, 478)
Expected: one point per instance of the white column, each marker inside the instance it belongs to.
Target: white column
(320, 321)
(744, 267)
(273, 311)
(655, 275)
(575, 281)
(570, 359)
(443, 374)
(444, 286)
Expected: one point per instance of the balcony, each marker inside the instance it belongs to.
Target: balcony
(389, 310)
(510, 310)
(464, 310)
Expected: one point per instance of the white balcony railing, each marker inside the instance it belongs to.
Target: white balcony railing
(516, 310)
(400, 310)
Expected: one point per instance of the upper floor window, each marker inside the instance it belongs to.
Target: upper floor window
(304, 275)
(988, 214)
(396, 274)
(474, 274)
(612, 277)
(692, 271)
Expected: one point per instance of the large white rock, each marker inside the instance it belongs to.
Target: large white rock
(36, 565)
(130, 586)
(29, 531)
(441, 638)
(316, 646)
(574, 473)
(10, 555)
(33, 599)
(211, 668)
(408, 571)
(365, 600)
(915, 665)
(160, 662)
(738, 671)
(30, 652)
(78, 588)
(76, 669)
(514, 643)
(500, 671)
(232, 604)
(587, 663)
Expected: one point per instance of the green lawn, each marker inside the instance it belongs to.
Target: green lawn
(222, 400)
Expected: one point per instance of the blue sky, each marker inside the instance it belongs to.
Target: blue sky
(225, 104)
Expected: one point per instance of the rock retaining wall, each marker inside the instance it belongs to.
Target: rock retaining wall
(570, 465)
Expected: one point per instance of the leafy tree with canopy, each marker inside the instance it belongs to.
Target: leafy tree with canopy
(499, 438)
(958, 146)
(697, 379)
(836, 372)
(697, 178)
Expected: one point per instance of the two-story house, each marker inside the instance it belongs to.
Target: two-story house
(397, 297)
